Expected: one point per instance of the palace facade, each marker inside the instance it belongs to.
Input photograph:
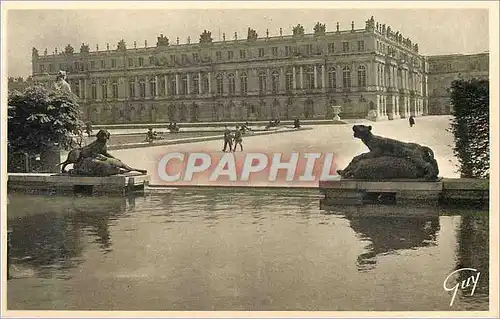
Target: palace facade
(444, 69)
(256, 78)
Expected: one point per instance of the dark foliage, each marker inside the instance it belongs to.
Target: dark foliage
(39, 119)
(470, 126)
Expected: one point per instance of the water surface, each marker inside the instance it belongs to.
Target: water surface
(189, 249)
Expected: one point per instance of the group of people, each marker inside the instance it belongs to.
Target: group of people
(233, 139)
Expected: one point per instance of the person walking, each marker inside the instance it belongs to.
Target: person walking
(238, 138)
(411, 120)
(228, 139)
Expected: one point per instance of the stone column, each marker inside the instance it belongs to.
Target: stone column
(377, 104)
(354, 75)
(147, 85)
(209, 82)
(339, 75)
(165, 84)
(200, 84)
(385, 105)
(396, 83)
(237, 84)
(323, 77)
(80, 87)
(282, 79)
(85, 92)
(315, 77)
(157, 92)
(390, 107)
(294, 80)
(301, 76)
(122, 87)
(188, 89)
(396, 105)
(177, 82)
(136, 86)
(99, 88)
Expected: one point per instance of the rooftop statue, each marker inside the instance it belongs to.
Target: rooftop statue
(69, 49)
(84, 48)
(298, 30)
(206, 37)
(319, 29)
(252, 34)
(390, 159)
(122, 46)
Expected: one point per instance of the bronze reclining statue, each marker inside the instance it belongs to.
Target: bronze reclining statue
(94, 159)
(390, 159)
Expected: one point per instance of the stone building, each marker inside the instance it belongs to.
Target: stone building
(444, 69)
(19, 83)
(300, 75)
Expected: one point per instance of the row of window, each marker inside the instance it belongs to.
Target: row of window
(394, 52)
(402, 82)
(183, 88)
(195, 57)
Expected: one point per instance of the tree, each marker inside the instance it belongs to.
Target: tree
(470, 126)
(40, 120)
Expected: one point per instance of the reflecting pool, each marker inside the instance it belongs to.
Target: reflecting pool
(239, 249)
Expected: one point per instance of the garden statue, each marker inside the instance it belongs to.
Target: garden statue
(390, 159)
(60, 84)
(94, 159)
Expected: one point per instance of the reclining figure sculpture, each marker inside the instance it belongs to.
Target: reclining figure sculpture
(94, 159)
(390, 159)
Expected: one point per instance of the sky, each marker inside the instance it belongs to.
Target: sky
(437, 31)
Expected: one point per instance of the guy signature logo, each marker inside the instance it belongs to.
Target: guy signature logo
(471, 280)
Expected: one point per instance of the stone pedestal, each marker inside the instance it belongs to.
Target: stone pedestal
(356, 192)
(49, 160)
(64, 183)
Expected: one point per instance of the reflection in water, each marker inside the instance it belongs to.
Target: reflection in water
(389, 229)
(387, 235)
(473, 252)
(47, 231)
(231, 249)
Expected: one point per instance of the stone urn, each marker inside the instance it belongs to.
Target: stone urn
(336, 112)
(372, 115)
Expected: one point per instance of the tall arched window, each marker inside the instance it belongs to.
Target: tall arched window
(94, 91)
(332, 78)
(115, 89)
(289, 81)
(206, 83)
(232, 84)
(309, 78)
(362, 76)
(104, 89)
(184, 85)
(173, 85)
(152, 86)
(243, 83)
(161, 85)
(196, 84)
(220, 84)
(276, 81)
(262, 82)
(142, 88)
(346, 77)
